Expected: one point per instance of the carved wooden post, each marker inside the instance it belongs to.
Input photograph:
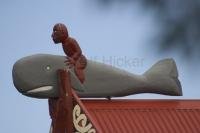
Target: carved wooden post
(61, 108)
(65, 86)
(67, 110)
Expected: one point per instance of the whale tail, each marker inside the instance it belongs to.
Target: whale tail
(164, 73)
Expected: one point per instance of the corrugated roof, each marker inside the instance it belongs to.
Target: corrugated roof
(145, 116)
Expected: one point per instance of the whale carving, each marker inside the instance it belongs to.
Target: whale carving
(36, 76)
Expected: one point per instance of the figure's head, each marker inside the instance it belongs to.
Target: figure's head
(60, 33)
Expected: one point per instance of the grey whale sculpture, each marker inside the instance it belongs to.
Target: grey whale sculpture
(36, 76)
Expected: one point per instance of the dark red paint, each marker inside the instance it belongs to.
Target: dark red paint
(60, 109)
(145, 116)
(72, 50)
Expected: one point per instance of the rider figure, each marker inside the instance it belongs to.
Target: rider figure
(72, 50)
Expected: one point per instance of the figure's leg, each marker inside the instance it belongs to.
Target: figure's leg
(79, 68)
(80, 74)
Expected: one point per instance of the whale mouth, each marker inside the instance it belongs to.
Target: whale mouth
(42, 89)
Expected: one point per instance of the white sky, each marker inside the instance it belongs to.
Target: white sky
(120, 32)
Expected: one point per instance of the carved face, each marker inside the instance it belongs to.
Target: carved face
(59, 33)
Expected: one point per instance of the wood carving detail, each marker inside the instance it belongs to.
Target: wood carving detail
(80, 121)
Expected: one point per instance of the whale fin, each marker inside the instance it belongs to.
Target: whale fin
(165, 73)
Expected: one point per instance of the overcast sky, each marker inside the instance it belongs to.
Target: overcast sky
(104, 35)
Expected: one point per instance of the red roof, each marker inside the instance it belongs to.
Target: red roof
(145, 116)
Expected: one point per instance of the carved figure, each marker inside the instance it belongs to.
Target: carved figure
(36, 76)
(72, 50)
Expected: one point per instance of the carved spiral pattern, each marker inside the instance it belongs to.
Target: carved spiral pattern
(80, 121)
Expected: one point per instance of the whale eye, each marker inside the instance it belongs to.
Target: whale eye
(48, 67)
